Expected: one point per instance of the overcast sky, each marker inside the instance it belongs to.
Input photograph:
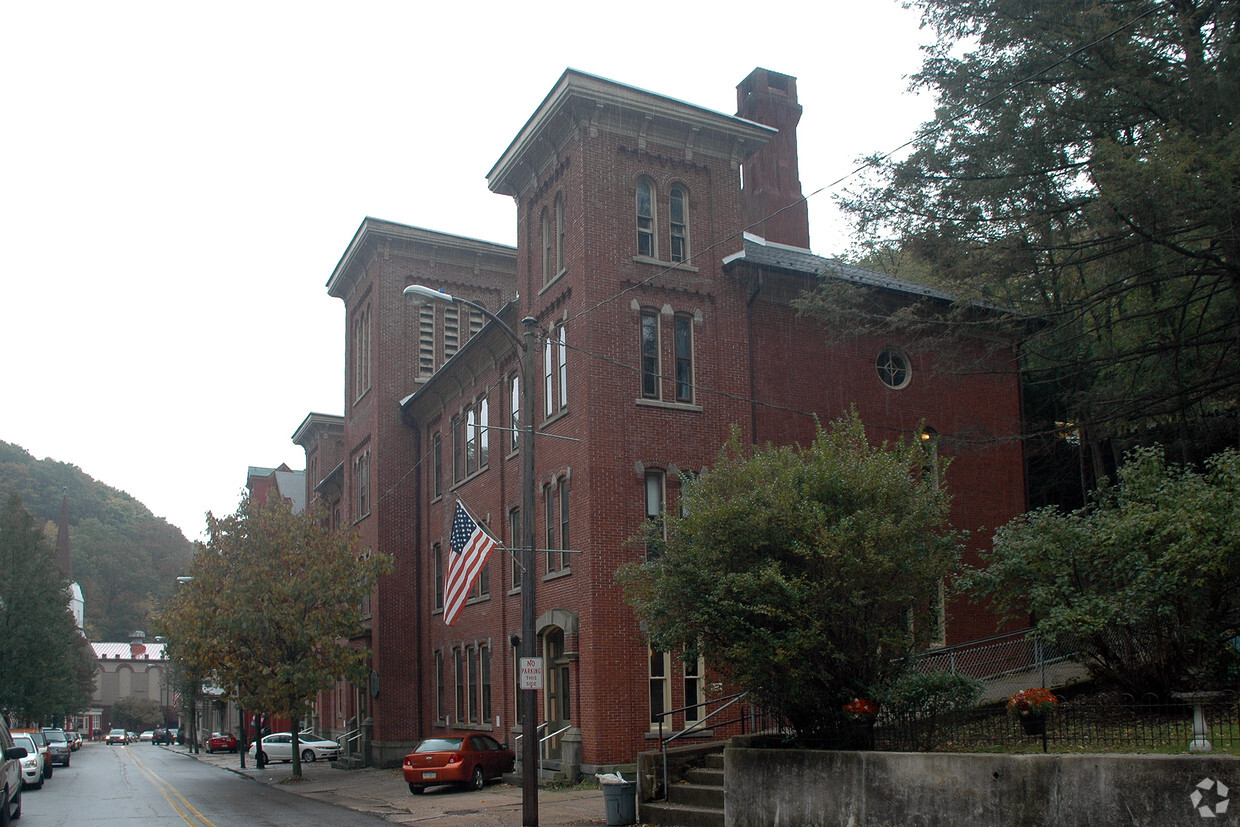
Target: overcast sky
(179, 181)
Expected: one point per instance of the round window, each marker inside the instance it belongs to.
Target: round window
(893, 368)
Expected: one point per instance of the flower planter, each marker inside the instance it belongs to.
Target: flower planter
(1033, 724)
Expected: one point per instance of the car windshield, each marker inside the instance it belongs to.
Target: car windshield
(439, 744)
(23, 740)
(38, 738)
(55, 735)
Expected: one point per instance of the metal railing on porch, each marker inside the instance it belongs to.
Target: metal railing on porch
(750, 719)
(541, 742)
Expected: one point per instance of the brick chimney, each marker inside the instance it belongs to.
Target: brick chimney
(772, 176)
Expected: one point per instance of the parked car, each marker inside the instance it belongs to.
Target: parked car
(279, 747)
(458, 759)
(33, 769)
(75, 739)
(222, 742)
(162, 736)
(11, 756)
(57, 746)
(116, 736)
(40, 741)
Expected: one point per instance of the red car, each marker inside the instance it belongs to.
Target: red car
(222, 742)
(457, 759)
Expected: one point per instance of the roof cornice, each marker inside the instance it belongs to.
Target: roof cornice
(373, 233)
(593, 102)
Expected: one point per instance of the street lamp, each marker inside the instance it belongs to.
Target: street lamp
(525, 368)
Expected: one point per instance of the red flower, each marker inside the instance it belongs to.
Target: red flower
(1037, 701)
(862, 708)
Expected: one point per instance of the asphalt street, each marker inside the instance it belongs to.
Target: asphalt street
(385, 794)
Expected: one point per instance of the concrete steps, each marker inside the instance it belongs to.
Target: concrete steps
(694, 801)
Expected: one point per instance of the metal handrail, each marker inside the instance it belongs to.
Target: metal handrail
(697, 725)
(544, 740)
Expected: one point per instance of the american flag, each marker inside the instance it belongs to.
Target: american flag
(471, 546)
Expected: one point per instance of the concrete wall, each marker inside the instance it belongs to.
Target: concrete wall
(790, 787)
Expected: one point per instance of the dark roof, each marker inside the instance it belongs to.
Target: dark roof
(762, 253)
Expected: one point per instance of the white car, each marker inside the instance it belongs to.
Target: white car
(32, 764)
(279, 747)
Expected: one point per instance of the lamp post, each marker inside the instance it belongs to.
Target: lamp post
(525, 369)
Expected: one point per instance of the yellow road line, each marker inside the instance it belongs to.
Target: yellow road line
(170, 793)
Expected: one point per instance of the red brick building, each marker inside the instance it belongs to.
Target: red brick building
(662, 325)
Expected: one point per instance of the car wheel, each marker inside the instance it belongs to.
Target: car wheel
(17, 811)
(308, 755)
(38, 785)
(415, 789)
(208, 750)
(48, 770)
(478, 781)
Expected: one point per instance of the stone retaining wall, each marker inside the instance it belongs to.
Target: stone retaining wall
(793, 787)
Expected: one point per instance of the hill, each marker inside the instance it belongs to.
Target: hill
(125, 558)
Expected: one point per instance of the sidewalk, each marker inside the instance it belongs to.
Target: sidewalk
(385, 794)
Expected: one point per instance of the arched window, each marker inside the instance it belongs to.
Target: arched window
(645, 219)
(559, 233)
(548, 254)
(678, 223)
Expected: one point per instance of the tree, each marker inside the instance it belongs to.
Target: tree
(137, 714)
(273, 598)
(1145, 584)
(803, 575)
(46, 672)
(1083, 169)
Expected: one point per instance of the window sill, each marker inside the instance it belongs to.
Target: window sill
(670, 265)
(560, 414)
(556, 575)
(653, 735)
(642, 402)
(551, 281)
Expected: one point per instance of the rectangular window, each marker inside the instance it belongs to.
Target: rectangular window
(565, 557)
(552, 522)
(461, 712)
(660, 687)
(683, 336)
(437, 463)
(515, 542)
(484, 666)
(695, 690)
(654, 505)
(650, 353)
(472, 666)
(437, 551)
(440, 709)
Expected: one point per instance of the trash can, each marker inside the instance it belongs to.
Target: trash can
(621, 801)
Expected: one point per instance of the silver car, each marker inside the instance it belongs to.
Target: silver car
(11, 756)
(32, 764)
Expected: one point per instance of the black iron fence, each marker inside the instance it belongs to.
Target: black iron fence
(1088, 723)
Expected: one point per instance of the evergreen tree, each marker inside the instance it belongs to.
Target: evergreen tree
(46, 668)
